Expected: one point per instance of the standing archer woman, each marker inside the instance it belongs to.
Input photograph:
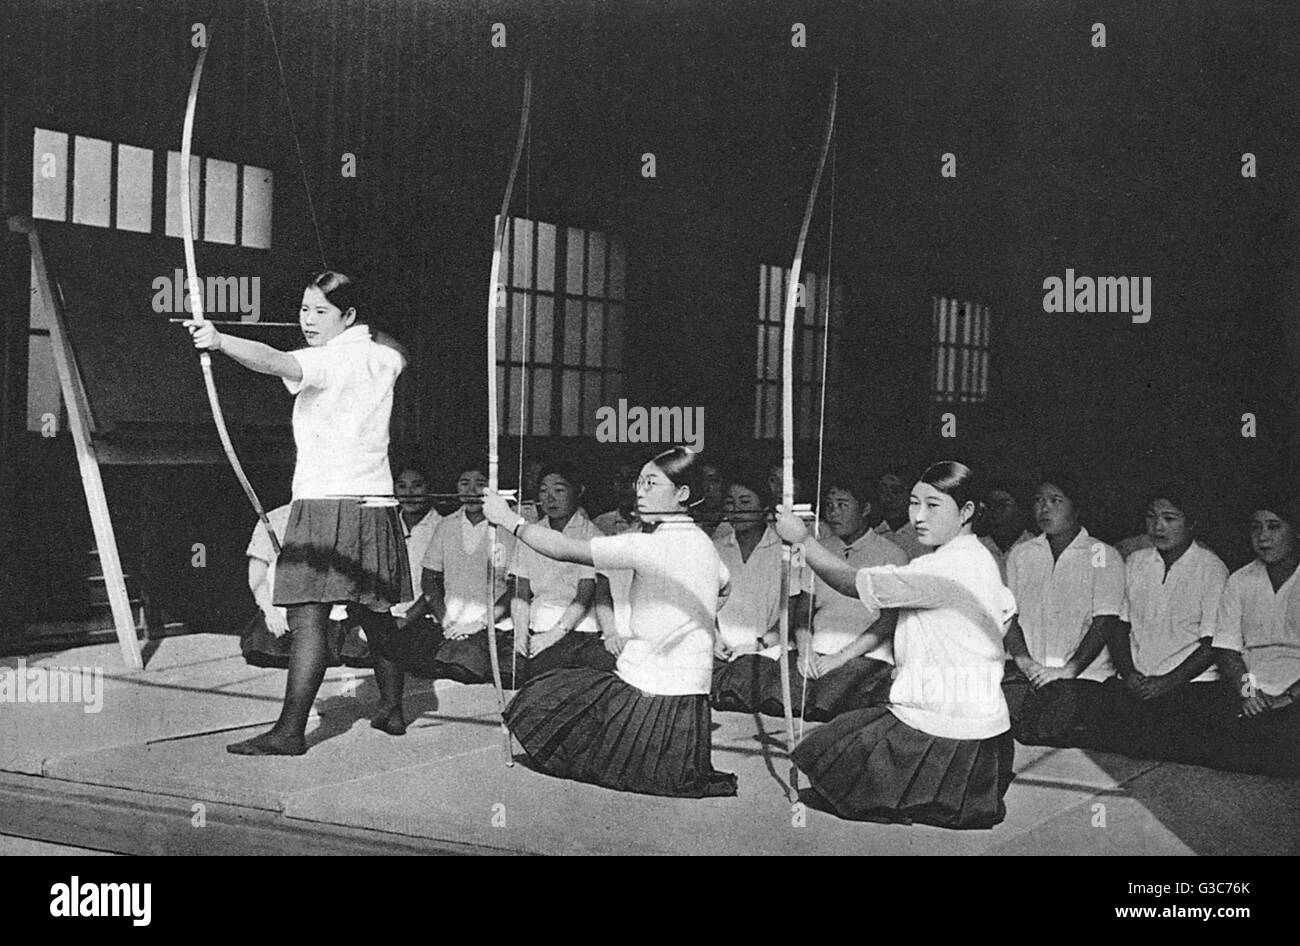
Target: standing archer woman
(334, 550)
(940, 751)
(645, 727)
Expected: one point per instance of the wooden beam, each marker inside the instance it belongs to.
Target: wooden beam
(79, 420)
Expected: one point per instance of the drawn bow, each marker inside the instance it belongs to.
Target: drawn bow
(494, 459)
(196, 297)
(787, 426)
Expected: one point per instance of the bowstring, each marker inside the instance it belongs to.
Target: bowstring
(821, 422)
(293, 129)
(530, 310)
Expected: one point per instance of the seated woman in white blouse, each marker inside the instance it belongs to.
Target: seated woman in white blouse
(1257, 645)
(1167, 698)
(1007, 520)
(552, 601)
(939, 752)
(1069, 589)
(646, 727)
(266, 640)
(708, 513)
(454, 590)
(845, 649)
(420, 635)
(419, 519)
(745, 661)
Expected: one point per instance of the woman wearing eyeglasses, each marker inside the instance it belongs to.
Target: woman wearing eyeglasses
(646, 726)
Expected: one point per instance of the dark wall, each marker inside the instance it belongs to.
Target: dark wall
(1115, 161)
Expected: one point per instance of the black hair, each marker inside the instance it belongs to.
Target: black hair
(403, 463)
(801, 481)
(1013, 487)
(1185, 498)
(340, 290)
(469, 461)
(569, 471)
(960, 482)
(859, 485)
(1281, 504)
(754, 479)
(682, 467)
(1068, 484)
(628, 467)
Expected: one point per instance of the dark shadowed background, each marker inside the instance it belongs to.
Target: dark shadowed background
(1117, 161)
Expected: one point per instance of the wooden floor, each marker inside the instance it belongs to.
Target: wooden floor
(98, 818)
(148, 772)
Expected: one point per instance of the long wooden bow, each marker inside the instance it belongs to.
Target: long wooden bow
(495, 299)
(787, 424)
(196, 297)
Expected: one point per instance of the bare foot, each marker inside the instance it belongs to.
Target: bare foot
(269, 744)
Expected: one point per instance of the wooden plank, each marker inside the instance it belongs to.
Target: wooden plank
(79, 421)
(158, 453)
(131, 822)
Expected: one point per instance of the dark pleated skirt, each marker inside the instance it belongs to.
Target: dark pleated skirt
(262, 649)
(1063, 713)
(867, 765)
(856, 684)
(355, 650)
(1015, 688)
(592, 726)
(338, 550)
(752, 684)
(745, 684)
(1195, 724)
(575, 649)
(467, 660)
(415, 648)
(1270, 744)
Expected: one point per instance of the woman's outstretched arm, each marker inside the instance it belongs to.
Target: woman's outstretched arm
(831, 569)
(255, 356)
(550, 543)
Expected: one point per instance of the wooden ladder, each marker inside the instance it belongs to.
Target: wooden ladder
(81, 423)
